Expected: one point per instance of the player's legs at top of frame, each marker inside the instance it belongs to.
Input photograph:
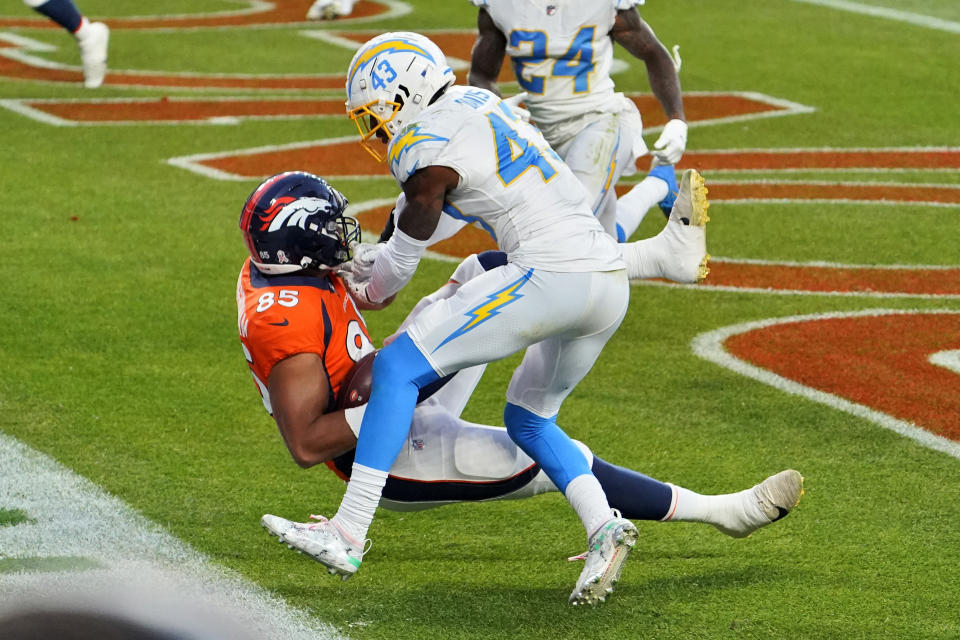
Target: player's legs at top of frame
(330, 9)
(92, 37)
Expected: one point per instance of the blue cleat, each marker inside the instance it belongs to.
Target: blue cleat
(666, 173)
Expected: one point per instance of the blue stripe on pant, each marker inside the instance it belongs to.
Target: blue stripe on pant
(399, 371)
(545, 442)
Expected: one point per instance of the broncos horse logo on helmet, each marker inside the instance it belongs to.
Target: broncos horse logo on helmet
(391, 79)
(294, 221)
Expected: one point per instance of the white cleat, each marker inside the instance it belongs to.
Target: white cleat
(608, 549)
(93, 38)
(775, 497)
(329, 9)
(686, 232)
(322, 540)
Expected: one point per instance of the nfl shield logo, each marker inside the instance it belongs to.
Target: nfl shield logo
(551, 9)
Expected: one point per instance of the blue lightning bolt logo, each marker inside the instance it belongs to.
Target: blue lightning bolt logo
(495, 303)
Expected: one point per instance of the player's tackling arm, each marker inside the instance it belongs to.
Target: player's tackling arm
(636, 36)
(425, 192)
(299, 397)
(488, 53)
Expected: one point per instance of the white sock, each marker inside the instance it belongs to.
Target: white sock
(634, 204)
(360, 501)
(730, 510)
(81, 31)
(587, 498)
(643, 258)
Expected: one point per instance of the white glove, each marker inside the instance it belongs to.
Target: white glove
(514, 103)
(670, 145)
(358, 291)
(361, 266)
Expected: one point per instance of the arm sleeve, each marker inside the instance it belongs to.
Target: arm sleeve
(395, 265)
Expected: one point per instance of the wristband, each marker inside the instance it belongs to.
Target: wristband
(354, 417)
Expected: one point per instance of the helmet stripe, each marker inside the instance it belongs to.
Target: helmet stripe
(252, 201)
(397, 46)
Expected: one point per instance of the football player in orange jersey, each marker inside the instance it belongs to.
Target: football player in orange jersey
(301, 334)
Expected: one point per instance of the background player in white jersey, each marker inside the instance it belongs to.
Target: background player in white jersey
(460, 151)
(562, 52)
(306, 345)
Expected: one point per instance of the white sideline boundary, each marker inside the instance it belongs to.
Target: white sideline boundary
(709, 346)
(142, 564)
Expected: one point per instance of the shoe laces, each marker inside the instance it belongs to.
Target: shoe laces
(322, 521)
(614, 513)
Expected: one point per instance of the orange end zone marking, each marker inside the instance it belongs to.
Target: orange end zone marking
(348, 159)
(859, 192)
(701, 107)
(828, 279)
(878, 361)
(178, 110)
(823, 159)
(15, 69)
(284, 12)
(224, 82)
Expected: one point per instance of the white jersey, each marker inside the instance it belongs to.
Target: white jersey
(561, 53)
(511, 182)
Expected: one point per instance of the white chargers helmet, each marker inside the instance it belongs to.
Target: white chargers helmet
(391, 79)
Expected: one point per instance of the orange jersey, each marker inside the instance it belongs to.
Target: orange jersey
(282, 315)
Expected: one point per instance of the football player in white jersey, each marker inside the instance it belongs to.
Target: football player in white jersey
(561, 52)
(461, 152)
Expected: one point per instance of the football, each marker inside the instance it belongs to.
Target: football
(355, 389)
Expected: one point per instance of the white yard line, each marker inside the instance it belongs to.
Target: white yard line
(73, 518)
(834, 265)
(908, 17)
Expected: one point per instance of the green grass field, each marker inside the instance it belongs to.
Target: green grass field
(120, 357)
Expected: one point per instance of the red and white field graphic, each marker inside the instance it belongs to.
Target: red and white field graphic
(896, 368)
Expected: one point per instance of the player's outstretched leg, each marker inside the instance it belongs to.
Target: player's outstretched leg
(322, 540)
(679, 251)
(607, 550)
(763, 504)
